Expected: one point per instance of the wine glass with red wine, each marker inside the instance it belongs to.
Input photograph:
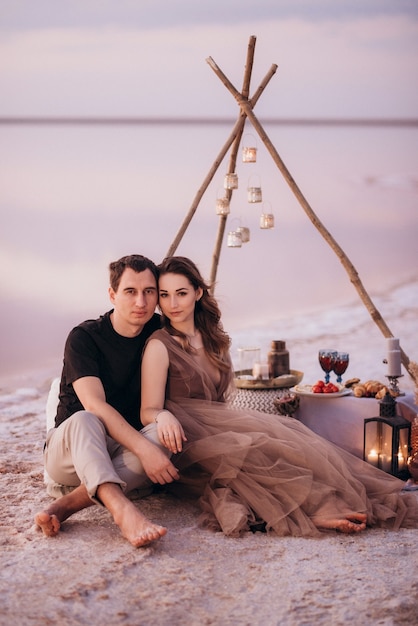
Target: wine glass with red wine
(341, 364)
(326, 361)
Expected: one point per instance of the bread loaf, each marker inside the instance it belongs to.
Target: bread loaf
(359, 391)
(370, 389)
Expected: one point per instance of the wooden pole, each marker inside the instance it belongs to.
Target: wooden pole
(348, 266)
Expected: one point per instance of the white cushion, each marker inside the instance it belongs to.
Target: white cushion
(52, 403)
(51, 410)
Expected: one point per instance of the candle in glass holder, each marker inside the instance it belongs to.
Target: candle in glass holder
(373, 457)
(234, 239)
(249, 154)
(245, 233)
(266, 220)
(222, 206)
(231, 181)
(247, 359)
(254, 194)
(261, 370)
(401, 460)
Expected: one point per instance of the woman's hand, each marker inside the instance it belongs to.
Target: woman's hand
(170, 432)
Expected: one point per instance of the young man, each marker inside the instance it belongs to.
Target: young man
(97, 446)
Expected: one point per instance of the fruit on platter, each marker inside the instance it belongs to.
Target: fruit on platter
(321, 387)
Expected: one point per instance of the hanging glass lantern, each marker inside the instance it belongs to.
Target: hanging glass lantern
(266, 217)
(245, 233)
(231, 181)
(387, 439)
(249, 154)
(249, 151)
(266, 220)
(254, 192)
(222, 206)
(234, 239)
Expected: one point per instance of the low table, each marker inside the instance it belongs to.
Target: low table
(341, 420)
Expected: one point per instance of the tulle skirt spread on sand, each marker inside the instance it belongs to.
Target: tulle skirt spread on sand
(249, 468)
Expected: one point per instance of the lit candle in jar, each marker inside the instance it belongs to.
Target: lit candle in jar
(231, 181)
(266, 220)
(245, 233)
(234, 239)
(249, 154)
(261, 371)
(401, 460)
(254, 194)
(373, 457)
(222, 206)
(385, 462)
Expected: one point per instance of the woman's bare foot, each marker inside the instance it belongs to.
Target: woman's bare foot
(351, 523)
(49, 524)
(411, 485)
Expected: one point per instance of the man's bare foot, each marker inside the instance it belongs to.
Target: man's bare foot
(137, 528)
(49, 524)
(49, 520)
(351, 523)
(134, 526)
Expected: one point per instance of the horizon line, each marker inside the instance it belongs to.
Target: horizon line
(137, 121)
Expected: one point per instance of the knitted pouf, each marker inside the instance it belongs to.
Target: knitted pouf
(258, 399)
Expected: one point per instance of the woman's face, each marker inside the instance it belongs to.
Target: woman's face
(177, 298)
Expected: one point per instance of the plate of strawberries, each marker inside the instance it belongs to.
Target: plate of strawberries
(322, 390)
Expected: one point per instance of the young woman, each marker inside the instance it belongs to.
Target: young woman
(249, 468)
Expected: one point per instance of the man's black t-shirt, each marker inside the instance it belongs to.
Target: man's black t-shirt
(94, 348)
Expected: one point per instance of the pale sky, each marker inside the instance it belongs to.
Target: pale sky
(94, 57)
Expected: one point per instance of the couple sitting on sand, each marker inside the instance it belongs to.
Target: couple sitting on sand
(144, 400)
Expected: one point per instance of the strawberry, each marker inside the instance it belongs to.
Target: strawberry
(317, 388)
(330, 388)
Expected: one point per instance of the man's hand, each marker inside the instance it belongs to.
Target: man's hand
(157, 465)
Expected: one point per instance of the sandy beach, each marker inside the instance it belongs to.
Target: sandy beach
(192, 576)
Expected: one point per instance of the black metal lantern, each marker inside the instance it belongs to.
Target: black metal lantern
(387, 439)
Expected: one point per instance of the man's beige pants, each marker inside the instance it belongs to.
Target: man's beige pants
(79, 451)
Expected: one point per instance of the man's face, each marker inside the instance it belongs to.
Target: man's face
(134, 302)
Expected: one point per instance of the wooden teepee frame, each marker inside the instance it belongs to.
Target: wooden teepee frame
(246, 112)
